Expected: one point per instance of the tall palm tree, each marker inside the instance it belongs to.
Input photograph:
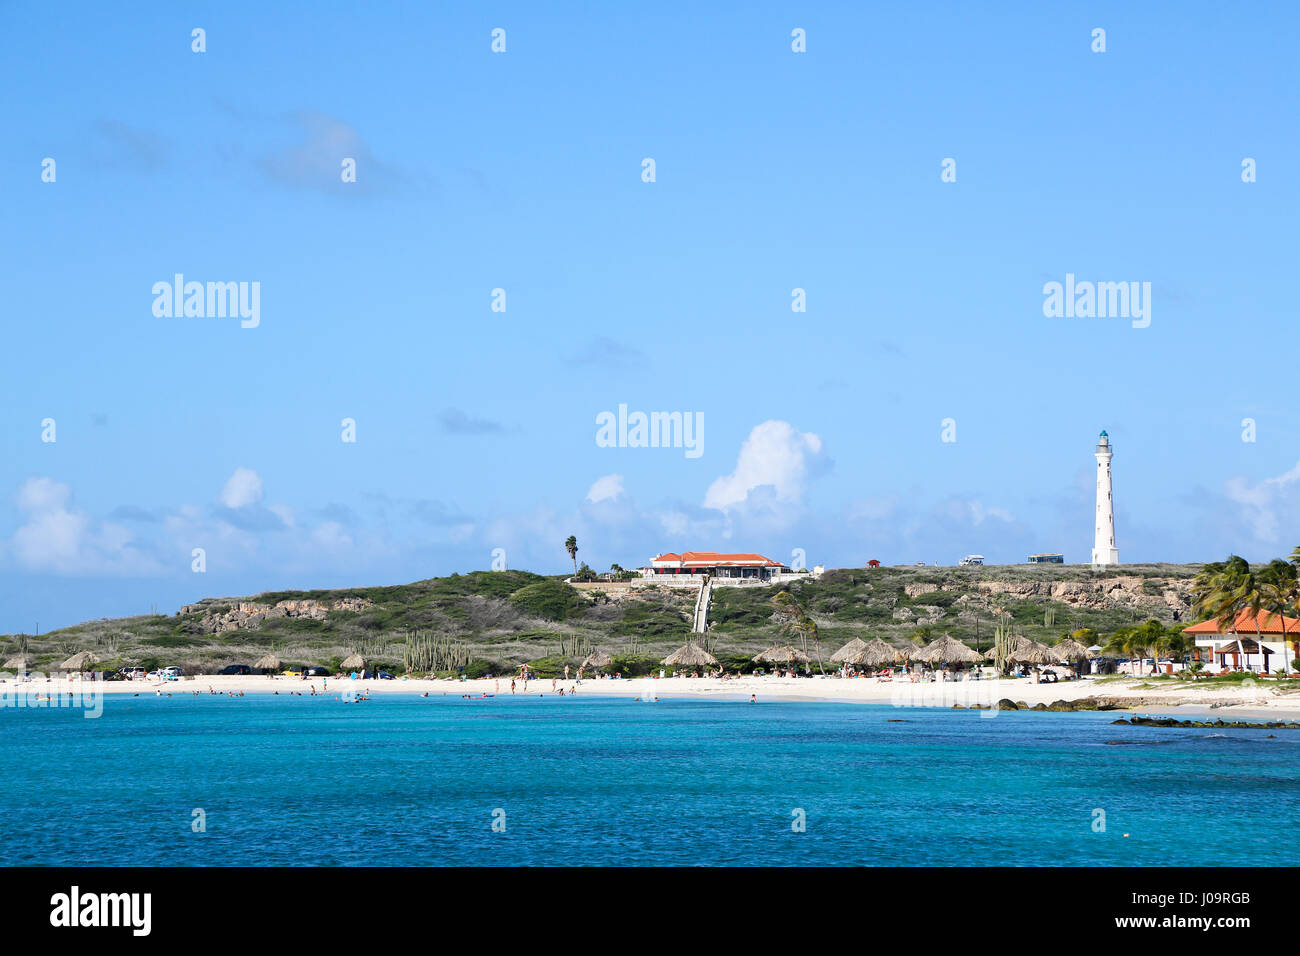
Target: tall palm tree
(571, 546)
(795, 620)
(1225, 589)
(1126, 642)
(808, 627)
(1280, 590)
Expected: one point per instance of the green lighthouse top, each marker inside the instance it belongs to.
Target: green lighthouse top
(1103, 434)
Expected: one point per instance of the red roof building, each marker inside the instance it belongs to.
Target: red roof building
(1248, 623)
(1250, 642)
(716, 564)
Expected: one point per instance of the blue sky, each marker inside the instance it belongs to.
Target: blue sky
(522, 170)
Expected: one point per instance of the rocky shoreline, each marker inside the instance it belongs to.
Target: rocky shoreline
(1214, 724)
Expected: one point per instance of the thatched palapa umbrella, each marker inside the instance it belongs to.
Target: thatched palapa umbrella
(1025, 651)
(782, 654)
(18, 663)
(268, 663)
(947, 650)
(690, 654)
(1031, 652)
(877, 653)
(1070, 650)
(79, 662)
(849, 652)
(354, 663)
(596, 660)
(872, 653)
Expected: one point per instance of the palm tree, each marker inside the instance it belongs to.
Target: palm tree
(1223, 590)
(571, 546)
(795, 620)
(807, 626)
(1280, 590)
(1125, 642)
(1177, 644)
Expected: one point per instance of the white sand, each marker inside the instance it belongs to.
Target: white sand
(1259, 695)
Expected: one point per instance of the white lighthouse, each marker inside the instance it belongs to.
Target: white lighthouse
(1103, 545)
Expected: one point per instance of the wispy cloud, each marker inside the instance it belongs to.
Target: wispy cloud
(456, 422)
(130, 147)
(314, 160)
(604, 352)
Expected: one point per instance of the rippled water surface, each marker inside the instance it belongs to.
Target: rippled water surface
(405, 780)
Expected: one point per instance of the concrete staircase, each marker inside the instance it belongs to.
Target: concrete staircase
(701, 620)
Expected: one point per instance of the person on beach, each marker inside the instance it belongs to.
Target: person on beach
(512, 685)
(566, 671)
(753, 698)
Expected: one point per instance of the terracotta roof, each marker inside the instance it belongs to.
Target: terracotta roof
(715, 558)
(1245, 624)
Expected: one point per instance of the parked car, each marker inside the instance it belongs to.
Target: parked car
(292, 672)
(171, 673)
(235, 669)
(317, 671)
(132, 673)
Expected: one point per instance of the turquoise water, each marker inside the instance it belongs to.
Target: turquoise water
(405, 780)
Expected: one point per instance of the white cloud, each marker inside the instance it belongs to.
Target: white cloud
(606, 488)
(331, 536)
(243, 488)
(1262, 502)
(979, 511)
(776, 455)
(56, 537)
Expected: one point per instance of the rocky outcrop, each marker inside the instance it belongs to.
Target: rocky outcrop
(1130, 591)
(247, 615)
(916, 590)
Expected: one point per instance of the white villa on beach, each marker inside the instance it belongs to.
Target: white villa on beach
(1251, 642)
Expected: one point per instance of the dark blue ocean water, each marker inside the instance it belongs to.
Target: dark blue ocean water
(405, 780)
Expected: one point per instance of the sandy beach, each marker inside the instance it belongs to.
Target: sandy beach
(1136, 694)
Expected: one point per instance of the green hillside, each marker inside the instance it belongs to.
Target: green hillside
(490, 621)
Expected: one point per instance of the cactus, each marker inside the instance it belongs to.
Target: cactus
(1004, 641)
(575, 646)
(425, 652)
(1049, 617)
